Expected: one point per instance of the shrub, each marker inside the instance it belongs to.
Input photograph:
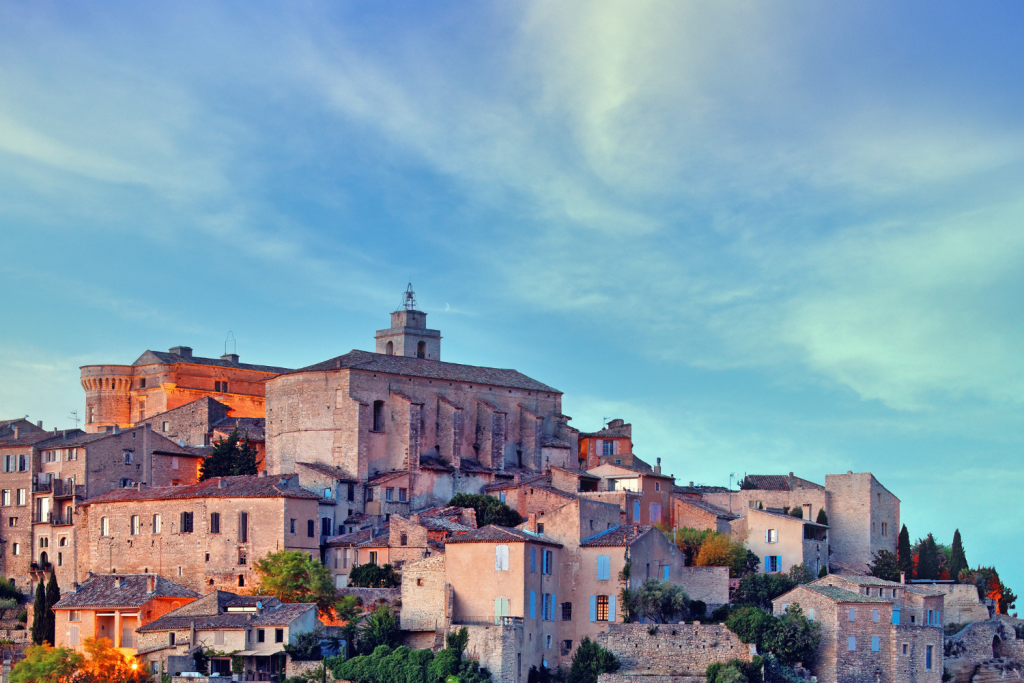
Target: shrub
(721, 613)
(8, 603)
(761, 589)
(735, 671)
(445, 664)
(489, 510)
(698, 609)
(372, 576)
(590, 661)
(23, 616)
(9, 591)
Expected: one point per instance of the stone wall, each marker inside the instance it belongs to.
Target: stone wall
(709, 584)
(686, 514)
(643, 678)
(863, 518)
(675, 650)
(961, 604)
(499, 650)
(424, 593)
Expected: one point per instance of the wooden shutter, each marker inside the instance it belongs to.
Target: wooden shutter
(533, 606)
(593, 608)
(611, 608)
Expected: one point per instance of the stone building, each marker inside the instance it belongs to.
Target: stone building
(123, 395)
(205, 536)
(913, 605)
(206, 421)
(115, 606)
(861, 643)
(696, 513)
(783, 540)
(255, 628)
(439, 427)
(614, 442)
(655, 489)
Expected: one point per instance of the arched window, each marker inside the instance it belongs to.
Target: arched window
(43, 558)
(421, 350)
(241, 581)
(390, 349)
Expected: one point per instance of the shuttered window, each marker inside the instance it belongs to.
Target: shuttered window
(604, 567)
(501, 558)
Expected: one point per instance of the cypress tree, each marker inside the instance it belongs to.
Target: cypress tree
(957, 560)
(927, 558)
(822, 517)
(230, 458)
(904, 556)
(50, 618)
(38, 615)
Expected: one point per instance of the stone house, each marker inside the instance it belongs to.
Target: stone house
(695, 513)
(206, 421)
(655, 505)
(414, 422)
(913, 605)
(17, 542)
(114, 606)
(205, 536)
(860, 643)
(124, 395)
(783, 540)
(614, 441)
(255, 628)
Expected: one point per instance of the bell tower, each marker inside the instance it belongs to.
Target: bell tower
(408, 335)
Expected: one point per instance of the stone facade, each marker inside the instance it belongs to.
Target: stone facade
(697, 514)
(782, 541)
(425, 595)
(864, 517)
(674, 650)
(500, 649)
(614, 441)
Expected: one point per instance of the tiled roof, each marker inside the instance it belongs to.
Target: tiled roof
(99, 591)
(552, 442)
(352, 539)
(620, 535)
(73, 439)
(780, 513)
(708, 507)
(577, 471)
(430, 369)
(151, 357)
(558, 492)
(328, 470)
(862, 580)
(250, 601)
(252, 428)
(235, 487)
(442, 524)
(471, 466)
(283, 615)
(386, 477)
(837, 594)
(379, 541)
(622, 432)
(512, 484)
(431, 462)
(199, 451)
(711, 489)
(227, 621)
(24, 439)
(767, 482)
(501, 534)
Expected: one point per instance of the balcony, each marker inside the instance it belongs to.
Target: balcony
(65, 488)
(54, 518)
(486, 620)
(42, 486)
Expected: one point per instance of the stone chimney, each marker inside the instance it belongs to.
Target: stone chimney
(39, 424)
(117, 582)
(221, 484)
(150, 584)
(74, 587)
(903, 577)
(531, 522)
(657, 467)
(262, 473)
(17, 432)
(185, 351)
(230, 357)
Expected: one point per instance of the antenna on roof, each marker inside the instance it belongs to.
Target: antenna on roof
(74, 416)
(234, 344)
(409, 299)
(605, 421)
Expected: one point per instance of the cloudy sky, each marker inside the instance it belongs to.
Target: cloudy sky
(775, 237)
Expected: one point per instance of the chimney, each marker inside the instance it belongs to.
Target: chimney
(17, 432)
(691, 484)
(531, 522)
(262, 473)
(221, 484)
(150, 584)
(74, 587)
(657, 467)
(39, 424)
(230, 357)
(117, 582)
(903, 577)
(185, 351)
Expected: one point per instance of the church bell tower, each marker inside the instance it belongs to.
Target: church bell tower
(409, 335)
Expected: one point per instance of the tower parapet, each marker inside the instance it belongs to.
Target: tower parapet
(107, 396)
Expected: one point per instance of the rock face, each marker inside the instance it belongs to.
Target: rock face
(986, 652)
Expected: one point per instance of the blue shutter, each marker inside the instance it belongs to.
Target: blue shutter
(636, 511)
(604, 567)
(778, 563)
(533, 608)
(544, 562)
(666, 572)
(611, 608)
(896, 616)
(767, 563)
(553, 603)
(593, 608)
(533, 559)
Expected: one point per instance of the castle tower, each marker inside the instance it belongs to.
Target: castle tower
(408, 335)
(107, 396)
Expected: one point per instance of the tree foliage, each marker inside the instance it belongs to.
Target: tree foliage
(927, 558)
(590, 661)
(371, 576)
(735, 671)
(790, 638)
(904, 555)
(456, 641)
(799, 574)
(822, 517)
(50, 618)
(708, 548)
(958, 559)
(231, 457)
(307, 647)
(403, 665)
(660, 601)
(102, 663)
(10, 591)
(46, 664)
(39, 615)
(489, 510)
(293, 576)
(380, 628)
(885, 566)
(760, 589)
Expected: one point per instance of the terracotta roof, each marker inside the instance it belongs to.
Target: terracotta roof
(199, 451)
(151, 357)
(283, 615)
(501, 534)
(708, 507)
(577, 471)
(430, 369)
(379, 541)
(99, 591)
(75, 439)
(352, 539)
(767, 482)
(780, 513)
(235, 487)
(620, 535)
(863, 580)
(442, 524)
(329, 470)
(525, 481)
(24, 439)
(227, 621)
(250, 600)
(386, 477)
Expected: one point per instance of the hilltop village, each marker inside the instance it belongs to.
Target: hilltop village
(360, 458)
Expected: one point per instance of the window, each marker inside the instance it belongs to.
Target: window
(242, 557)
(636, 510)
(21, 496)
(157, 526)
(221, 387)
(540, 528)
(608, 448)
(186, 523)
(9, 461)
(657, 486)
(549, 557)
(390, 349)
(170, 638)
(547, 642)
(214, 522)
(12, 521)
(874, 616)
(373, 557)
(604, 567)
(127, 457)
(566, 645)
(895, 615)
(378, 416)
(351, 492)
(325, 526)
(403, 495)
(23, 463)
(771, 535)
(545, 602)
(310, 528)
(810, 614)
(851, 643)
(126, 483)
(772, 563)
(278, 635)
(74, 615)
(404, 540)
(243, 527)
(291, 526)
(885, 528)
(261, 636)
(421, 349)
(241, 581)
(369, 495)
(17, 549)
(618, 461)
(104, 526)
(566, 611)
(904, 648)
(533, 560)
(5, 497)
(72, 454)
(136, 525)
(928, 658)
(666, 570)
(875, 643)
(602, 608)
(174, 462)
(389, 494)
(501, 558)
(853, 614)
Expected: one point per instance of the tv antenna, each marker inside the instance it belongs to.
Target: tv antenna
(74, 416)
(234, 344)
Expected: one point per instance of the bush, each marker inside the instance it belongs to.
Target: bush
(9, 591)
(23, 616)
(590, 661)
(721, 613)
(698, 609)
(445, 664)
(735, 671)
(761, 589)
(489, 510)
(8, 603)
(372, 576)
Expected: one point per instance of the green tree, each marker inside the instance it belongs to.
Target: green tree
(307, 645)
(689, 541)
(293, 576)
(799, 574)
(50, 618)
(590, 661)
(822, 517)
(46, 664)
(456, 641)
(735, 671)
(958, 559)
(793, 638)
(750, 623)
(885, 566)
(371, 576)
(39, 615)
(823, 572)
(760, 589)
(380, 628)
(661, 601)
(347, 611)
(904, 555)
(797, 512)
(489, 510)
(927, 558)
(230, 457)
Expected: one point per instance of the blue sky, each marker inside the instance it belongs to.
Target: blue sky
(773, 236)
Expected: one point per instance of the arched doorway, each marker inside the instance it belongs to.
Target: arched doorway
(997, 647)
(390, 349)
(421, 350)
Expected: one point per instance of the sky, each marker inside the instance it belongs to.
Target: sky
(774, 237)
